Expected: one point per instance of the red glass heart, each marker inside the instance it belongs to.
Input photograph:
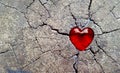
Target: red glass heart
(81, 39)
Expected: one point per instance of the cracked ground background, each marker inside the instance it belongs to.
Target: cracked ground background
(34, 36)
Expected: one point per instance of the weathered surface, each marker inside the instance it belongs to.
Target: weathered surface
(34, 36)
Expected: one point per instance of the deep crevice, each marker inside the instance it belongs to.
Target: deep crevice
(89, 8)
(62, 33)
(54, 29)
(45, 24)
(75, 63)
(74, 66)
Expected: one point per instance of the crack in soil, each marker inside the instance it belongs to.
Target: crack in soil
(75, 63)
(90, 18)
(89, 8)
(62, 33)
(38, 44)
(51, 27)
(3, 52)
(94, 54)
(99, 65)
(8, 6)
(30, 4)
(15, 55)
(27, 20)
(35, 60)
(45, 8)
(105, 52)
(72, 15)
(103, 32)
(113, 12)
(11, 7)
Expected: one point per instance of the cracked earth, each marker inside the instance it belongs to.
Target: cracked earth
(34, 36)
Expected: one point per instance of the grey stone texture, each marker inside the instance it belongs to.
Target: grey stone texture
(34, 36)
